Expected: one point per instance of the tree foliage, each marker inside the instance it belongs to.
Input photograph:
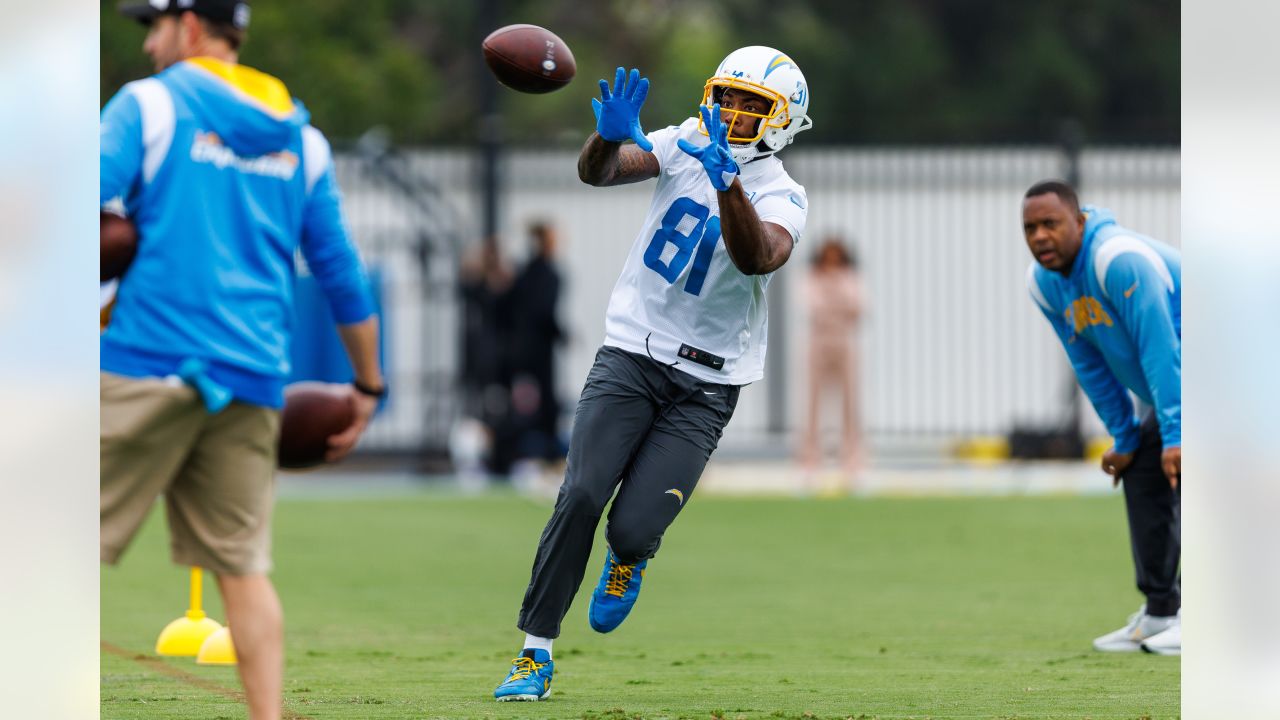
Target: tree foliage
(906, 71)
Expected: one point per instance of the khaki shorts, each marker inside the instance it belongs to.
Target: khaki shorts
(217, 473)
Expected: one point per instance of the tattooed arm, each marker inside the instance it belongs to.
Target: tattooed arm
(603, 163)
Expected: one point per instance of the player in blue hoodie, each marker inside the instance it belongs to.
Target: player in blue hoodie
(225, 180)
(1114, 297)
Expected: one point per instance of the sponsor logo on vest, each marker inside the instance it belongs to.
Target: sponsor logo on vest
(208, 148)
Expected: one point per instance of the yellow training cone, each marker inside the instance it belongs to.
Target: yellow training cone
(217, 649)
(184, 636)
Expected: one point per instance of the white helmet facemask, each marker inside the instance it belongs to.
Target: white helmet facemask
(771, 75)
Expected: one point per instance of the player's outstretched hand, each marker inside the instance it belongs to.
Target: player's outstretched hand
(618, 111)
(715, 157)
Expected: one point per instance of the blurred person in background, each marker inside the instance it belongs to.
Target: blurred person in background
(534, 331)
(684, 331)
(1114, 297)
(835, 300)
(484, 281)
(225, 180)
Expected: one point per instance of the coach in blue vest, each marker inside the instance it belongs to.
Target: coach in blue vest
(1115, 299)
(225, 180)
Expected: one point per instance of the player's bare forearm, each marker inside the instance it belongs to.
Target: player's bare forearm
(361, 342)
(603, 163)
(755, 247)
(597, 160)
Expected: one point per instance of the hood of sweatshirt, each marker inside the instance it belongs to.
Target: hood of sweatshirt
(250, 111)
(1095, 220)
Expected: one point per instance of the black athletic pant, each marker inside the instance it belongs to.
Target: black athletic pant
(645, 425)
(1155, 524)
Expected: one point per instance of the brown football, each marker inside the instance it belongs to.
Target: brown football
(529, 58)
(313, 411)
(119, 244)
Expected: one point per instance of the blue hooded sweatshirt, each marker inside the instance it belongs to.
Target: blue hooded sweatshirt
(225, 181)
(1119, 316)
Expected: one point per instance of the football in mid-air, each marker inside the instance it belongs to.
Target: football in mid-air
(313, 412)
(529, 58)
(119, 240)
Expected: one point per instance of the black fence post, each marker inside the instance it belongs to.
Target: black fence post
(491, 140)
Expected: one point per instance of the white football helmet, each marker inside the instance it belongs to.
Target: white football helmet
(773, 76)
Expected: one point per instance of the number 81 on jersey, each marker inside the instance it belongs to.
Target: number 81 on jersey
(702, 238)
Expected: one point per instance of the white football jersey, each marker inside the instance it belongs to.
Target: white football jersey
(680, 299)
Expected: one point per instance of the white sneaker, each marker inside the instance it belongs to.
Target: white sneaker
(1139, 627)
(1168, 642)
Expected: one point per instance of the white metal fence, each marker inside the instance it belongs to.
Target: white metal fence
(952, 346)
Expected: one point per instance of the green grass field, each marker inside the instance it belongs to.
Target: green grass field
(754, 608)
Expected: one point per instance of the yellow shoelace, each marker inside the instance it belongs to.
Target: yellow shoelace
(619, 578)
(524, 667)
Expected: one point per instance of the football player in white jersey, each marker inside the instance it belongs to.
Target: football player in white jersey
(685, 329)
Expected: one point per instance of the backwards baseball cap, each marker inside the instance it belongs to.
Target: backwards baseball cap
(232, 12)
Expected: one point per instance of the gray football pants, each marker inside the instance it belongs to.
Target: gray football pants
(1155, 524)
(645, 429)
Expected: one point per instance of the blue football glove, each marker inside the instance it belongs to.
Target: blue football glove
(715, 157)
(618, 112)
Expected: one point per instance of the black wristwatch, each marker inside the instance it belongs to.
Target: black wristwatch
(363, 389)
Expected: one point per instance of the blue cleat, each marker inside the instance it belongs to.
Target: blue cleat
(529, 679)
(615, 594)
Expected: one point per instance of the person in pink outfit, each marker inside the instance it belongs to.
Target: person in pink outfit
(835, 301)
